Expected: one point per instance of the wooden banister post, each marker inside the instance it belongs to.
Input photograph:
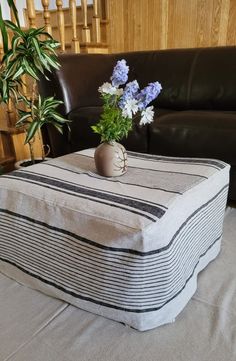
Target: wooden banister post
(46, 16)
(10, 114)
(1, 48)
(102, 9)
(85, 31)
(75, 40)
(31, 13)
(61, 24)
(96, 24)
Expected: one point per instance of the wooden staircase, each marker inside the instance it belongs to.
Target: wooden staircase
(78, 28)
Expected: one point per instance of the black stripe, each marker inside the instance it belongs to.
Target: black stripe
(180, 160)
(77, 265)
(134, 264)
(113, 249)
(206, 220)
(104, 303)
(180, 256)
(104, 179)
(188, 234)
(170, 172)
(103, 192)
(47, 261)
(154, 170)
(90, 199)
(61, 186)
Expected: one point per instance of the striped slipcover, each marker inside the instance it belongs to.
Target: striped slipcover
(127, 248)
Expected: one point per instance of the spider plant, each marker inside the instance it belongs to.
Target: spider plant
(32, 53)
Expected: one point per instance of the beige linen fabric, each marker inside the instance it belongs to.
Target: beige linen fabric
(127, 248)
(35, 327)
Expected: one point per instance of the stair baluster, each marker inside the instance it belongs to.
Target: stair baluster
(61, 24)
(46, 16)
(96, 25)
(85, 31)
(102, 9)
(31, 13)
(75, 40)
(1, 48)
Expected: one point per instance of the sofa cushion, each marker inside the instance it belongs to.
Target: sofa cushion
(203, 134)
(194, 134)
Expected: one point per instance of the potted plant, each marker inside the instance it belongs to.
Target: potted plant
(32, 53)
(123, 102)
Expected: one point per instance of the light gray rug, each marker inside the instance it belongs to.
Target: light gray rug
(35, 327)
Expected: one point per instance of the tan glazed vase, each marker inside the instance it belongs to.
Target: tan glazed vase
(111, 159)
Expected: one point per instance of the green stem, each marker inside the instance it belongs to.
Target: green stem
(32, 116)
(31, 149)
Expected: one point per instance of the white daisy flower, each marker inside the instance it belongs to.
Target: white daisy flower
(130, 108)
(107, 88)
(147, 116)
(119, 91)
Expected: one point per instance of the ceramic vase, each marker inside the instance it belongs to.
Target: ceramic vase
(110, 159)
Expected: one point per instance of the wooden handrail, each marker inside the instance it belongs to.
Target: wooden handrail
(31, 13)
(75, 40)
(85, 31)
(96, 24)
(61, 24)
(46, 16)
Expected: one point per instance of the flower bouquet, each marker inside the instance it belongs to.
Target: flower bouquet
(123, 102)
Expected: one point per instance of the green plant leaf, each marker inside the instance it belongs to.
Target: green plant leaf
(19, 72)
(34, 126)
(16, 29)
(4, 32)
(29, 69)
(14, 9)
(59, 118)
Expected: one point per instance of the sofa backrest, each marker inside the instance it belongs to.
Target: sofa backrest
(200, 78)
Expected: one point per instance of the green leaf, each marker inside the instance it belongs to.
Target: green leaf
(58, 127)
(16, 29)
(59, 118)
(19, 72)
(4, 32)
(14, 9)
(52, 61)
(34, 126)
(21, 121)
(29, 69)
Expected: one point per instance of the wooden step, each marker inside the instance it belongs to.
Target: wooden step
(90, 48)
(94, 48)
(80, 24)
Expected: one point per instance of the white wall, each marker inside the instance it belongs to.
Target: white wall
(21, 4)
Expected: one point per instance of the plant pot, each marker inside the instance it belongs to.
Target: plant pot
(111, 159)
(27, 162)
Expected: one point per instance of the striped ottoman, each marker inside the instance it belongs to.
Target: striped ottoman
(127, 248)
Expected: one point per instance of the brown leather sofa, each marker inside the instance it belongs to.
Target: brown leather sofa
(195, 112)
